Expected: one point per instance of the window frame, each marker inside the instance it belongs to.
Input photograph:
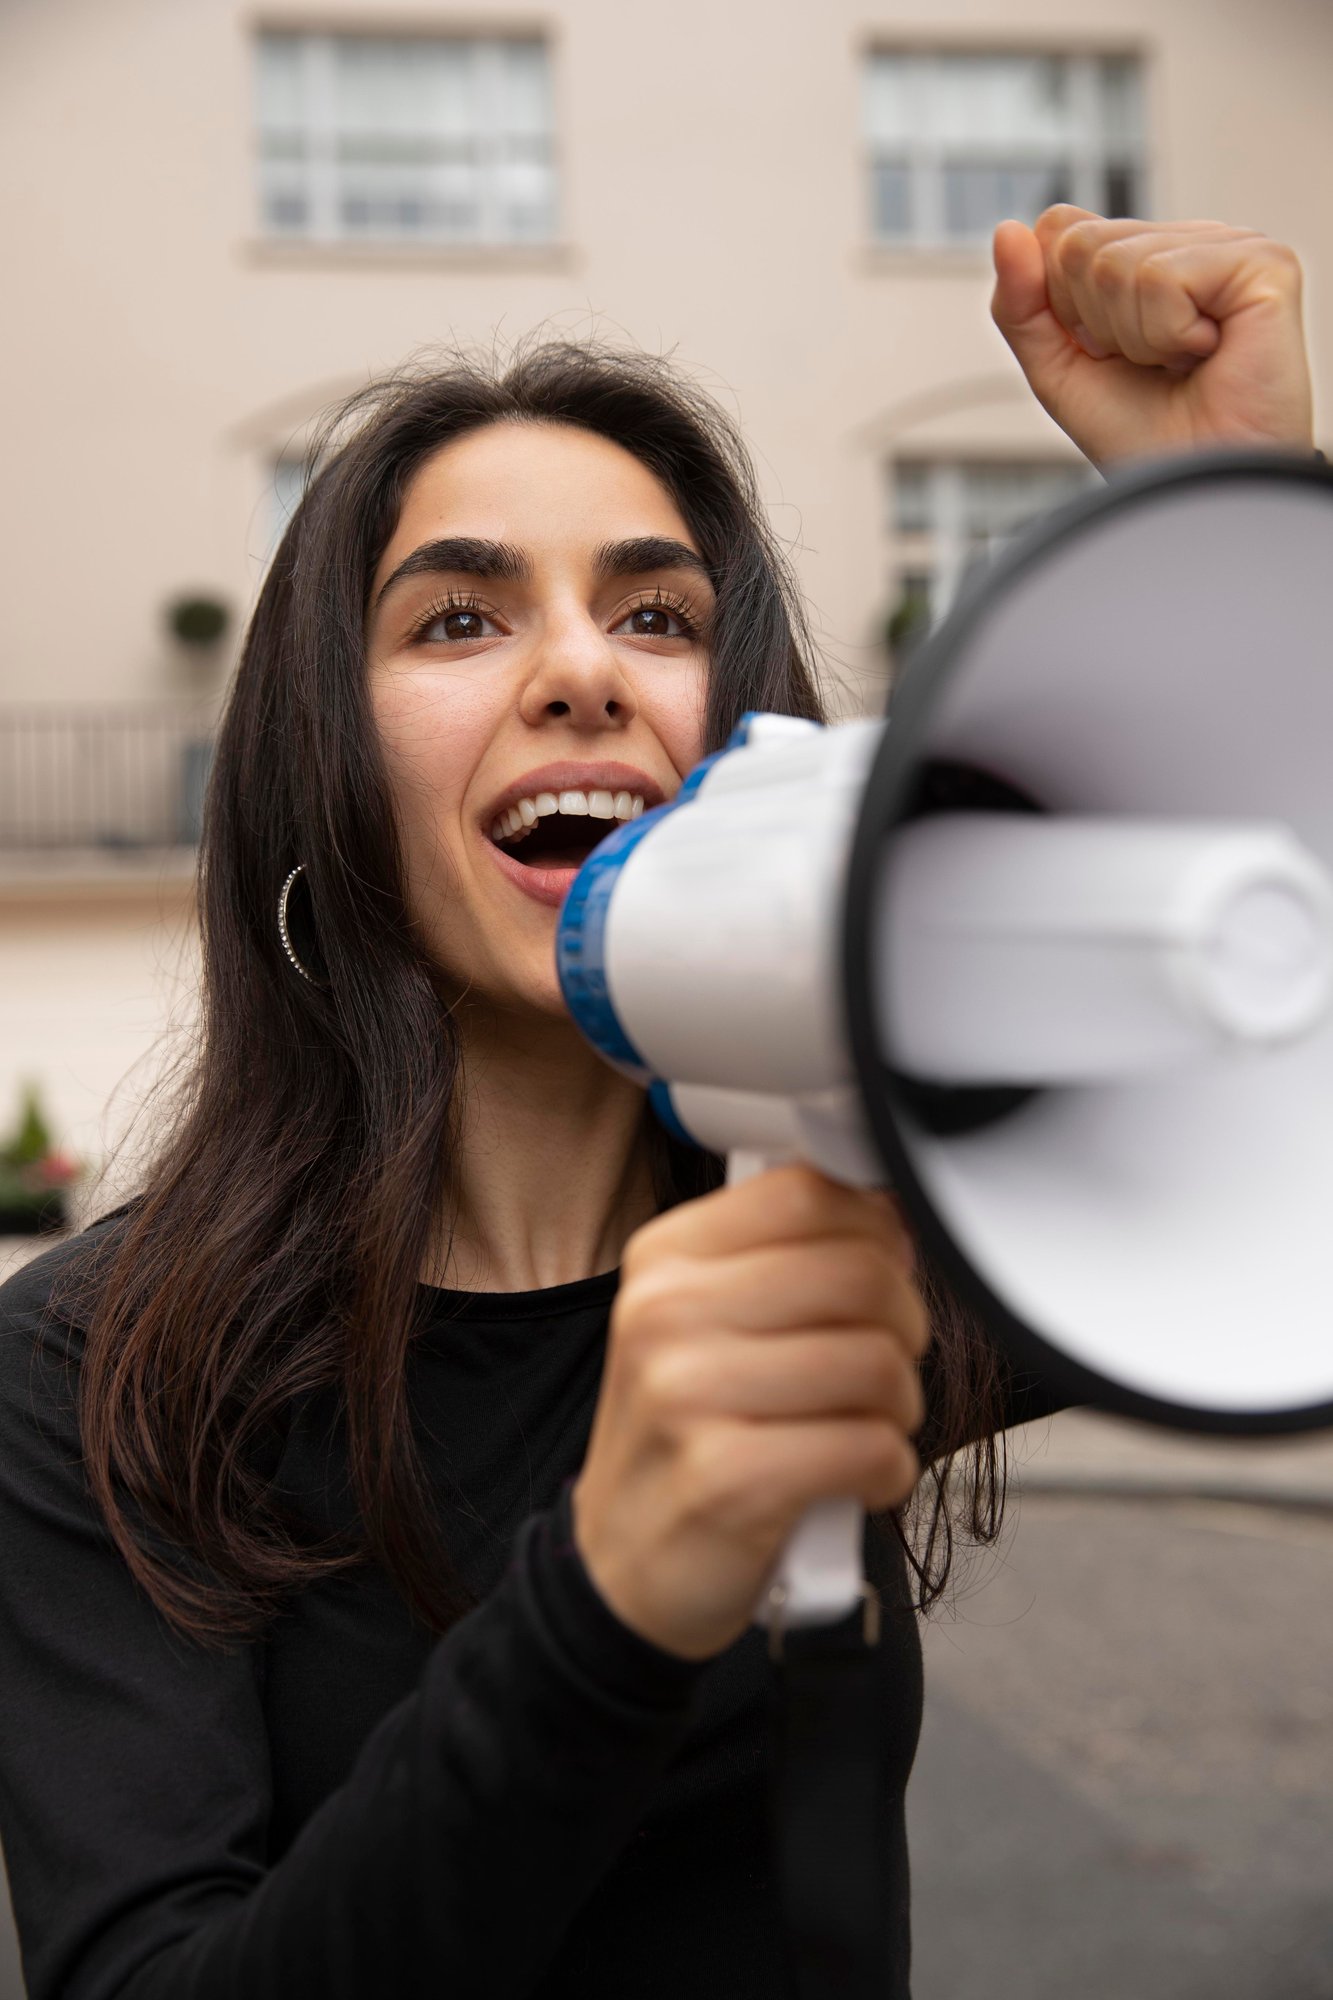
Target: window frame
(322, 174)
(942, 548)
(1092, 157)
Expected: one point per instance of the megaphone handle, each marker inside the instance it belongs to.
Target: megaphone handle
(819, 1576)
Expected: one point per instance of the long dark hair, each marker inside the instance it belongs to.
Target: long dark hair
(277, 1244)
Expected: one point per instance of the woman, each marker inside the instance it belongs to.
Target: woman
(385, 1495)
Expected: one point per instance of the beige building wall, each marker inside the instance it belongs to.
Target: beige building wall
(713, 204)
(713, 195)
(97, 996)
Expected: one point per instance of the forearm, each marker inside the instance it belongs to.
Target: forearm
(477, 1820)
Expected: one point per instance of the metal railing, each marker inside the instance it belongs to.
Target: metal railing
(117, 779)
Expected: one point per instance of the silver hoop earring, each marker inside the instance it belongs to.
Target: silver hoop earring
(283, 931)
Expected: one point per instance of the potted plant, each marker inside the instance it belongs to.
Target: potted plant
(199, 623)
(908, 622)
(35, 1177)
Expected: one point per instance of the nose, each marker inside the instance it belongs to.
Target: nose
(578, 674)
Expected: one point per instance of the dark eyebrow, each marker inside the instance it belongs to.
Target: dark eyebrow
(645, 554)
(464, 555)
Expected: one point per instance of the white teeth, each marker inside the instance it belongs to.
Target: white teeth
(516, 821)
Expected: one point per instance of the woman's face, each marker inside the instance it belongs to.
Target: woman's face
(536, 648)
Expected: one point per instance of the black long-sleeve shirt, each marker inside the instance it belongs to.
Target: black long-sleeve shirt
(542, 1803)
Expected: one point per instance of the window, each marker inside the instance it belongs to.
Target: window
(948, 514)
(284, 496)
(406, 140)
(959, 142)
(289, 477)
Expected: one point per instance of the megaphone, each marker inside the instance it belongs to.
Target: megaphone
(1051, 953)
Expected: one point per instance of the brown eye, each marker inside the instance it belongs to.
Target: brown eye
(654, 621)
(457, 625)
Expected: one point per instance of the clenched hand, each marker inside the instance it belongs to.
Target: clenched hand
(1151, 337)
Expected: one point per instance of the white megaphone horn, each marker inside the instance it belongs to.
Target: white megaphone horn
(1052, 954)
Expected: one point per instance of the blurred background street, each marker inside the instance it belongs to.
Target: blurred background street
(222, 221)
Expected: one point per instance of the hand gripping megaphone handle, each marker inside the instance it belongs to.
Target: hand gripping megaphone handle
(819, 1577)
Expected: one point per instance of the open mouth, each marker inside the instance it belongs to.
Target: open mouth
(560, 830)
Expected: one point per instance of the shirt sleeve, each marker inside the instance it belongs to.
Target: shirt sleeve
(134, 1766)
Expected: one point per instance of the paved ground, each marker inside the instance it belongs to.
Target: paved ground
(1125, 1787)
(1081, 1452)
